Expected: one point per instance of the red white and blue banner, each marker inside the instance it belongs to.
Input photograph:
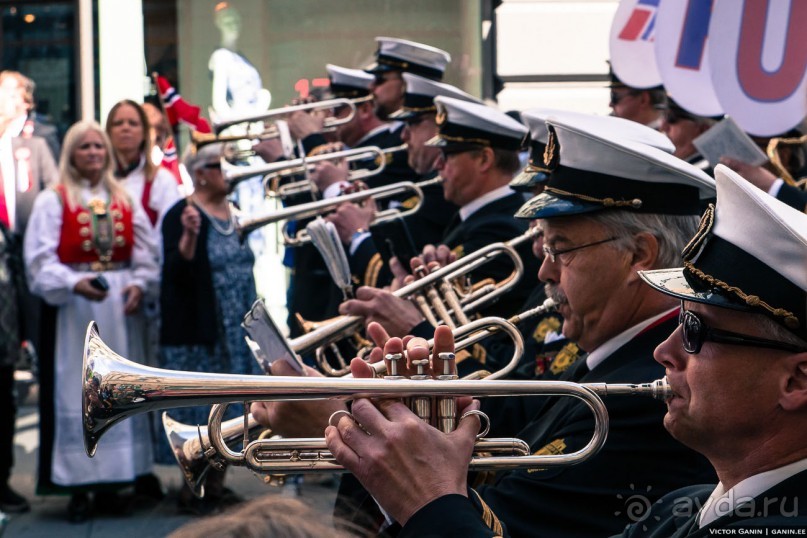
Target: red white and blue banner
(744, 58)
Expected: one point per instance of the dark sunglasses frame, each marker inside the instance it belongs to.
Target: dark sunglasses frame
(212, 166)
(617, 97)
(694, 332)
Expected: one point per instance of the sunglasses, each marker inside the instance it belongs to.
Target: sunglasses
(616, 97)
(212, 166)
(694, 332)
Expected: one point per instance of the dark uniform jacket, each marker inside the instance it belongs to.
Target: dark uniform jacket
(493, 223)
(312, 293)
(403, 238)
(782, 507)
(793, 196)
(591, 498)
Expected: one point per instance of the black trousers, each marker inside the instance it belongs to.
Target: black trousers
(8, 414)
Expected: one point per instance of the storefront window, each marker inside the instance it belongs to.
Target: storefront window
(39, 40)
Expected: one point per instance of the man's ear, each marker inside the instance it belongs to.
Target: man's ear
(794, 385)
(646, 251)
(487, 158)
(365, 109)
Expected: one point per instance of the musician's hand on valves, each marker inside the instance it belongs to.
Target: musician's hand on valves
(440, 254)
(398, 316)
(270, 150)
(295, 419)
(303, 124)
(351, 218)
(327, 173)
(401, 460)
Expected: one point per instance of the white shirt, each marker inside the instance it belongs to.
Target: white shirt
(722, 502)
(604, 351)
(472, 207)
(7, 165)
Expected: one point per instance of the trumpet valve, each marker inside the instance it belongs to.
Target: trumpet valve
(393, 360)
(421, 405)
(447, 405)
(448, 359)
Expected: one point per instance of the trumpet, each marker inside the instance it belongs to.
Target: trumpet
(115, 388)
(234, 174)
(774, 147)
(195, 454)
(342, 327)
(193, 451)
(273, 172)
(294, 167)
(245, 226)
(220, 123)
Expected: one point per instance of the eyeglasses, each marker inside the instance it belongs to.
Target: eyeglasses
(555, 255)
(695, 332)
(212, 166)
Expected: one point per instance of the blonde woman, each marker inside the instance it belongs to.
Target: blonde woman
(89, 252)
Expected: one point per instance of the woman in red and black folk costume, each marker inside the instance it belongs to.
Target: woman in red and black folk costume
(89, 251)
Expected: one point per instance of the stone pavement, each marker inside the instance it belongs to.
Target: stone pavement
(48, 514)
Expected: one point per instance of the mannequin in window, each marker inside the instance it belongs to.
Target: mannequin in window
(237, 85)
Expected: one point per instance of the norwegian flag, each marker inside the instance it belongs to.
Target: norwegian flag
(177, 109)
(170, 161)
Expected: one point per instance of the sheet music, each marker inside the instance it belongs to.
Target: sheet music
(726, 139)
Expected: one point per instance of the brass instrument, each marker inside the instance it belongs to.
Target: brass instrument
(220, 123)
(341, 327)
(115, 388)
(272, 180)
(475, 331)
(773, 154)
(193, 451)
(245, 226)
(273, 172)
(234, 174)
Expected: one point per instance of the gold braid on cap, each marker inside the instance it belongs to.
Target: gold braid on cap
(636, 203)
(790, 319)
(699, 239)
(694, 247)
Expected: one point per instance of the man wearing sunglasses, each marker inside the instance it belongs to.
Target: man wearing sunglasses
(644, 106)
(737, 366)
(611, 206)
(394, 57)
(478, 158)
